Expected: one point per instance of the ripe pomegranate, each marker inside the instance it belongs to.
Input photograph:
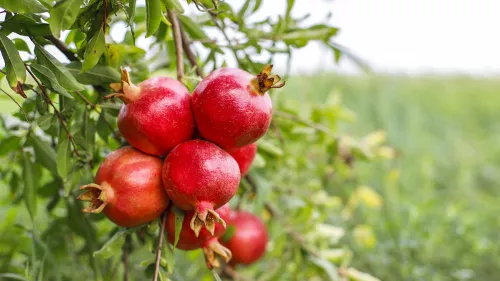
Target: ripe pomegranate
(156, 114)
(249, 240)
(210, 243)
(244, 156)
(128, 188)
(199, 176)
(231, 107)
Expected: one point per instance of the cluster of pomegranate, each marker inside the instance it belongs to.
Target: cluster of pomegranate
(191, 150)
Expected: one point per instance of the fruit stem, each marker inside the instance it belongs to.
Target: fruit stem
(265, 81)
(213, 250)
(96, 195)
(125, 90)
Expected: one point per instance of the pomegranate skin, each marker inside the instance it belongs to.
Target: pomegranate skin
(199, 176)
(244, 156)
(187, 239)
(158, 115)
(227, 109)
(249, 239)
(132, 187)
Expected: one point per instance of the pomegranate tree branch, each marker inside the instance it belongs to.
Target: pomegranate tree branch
(160, 246)
(186, 45)
(318, 127)
(178, 44)
(62, 47)
(61, 119)
(20, 107)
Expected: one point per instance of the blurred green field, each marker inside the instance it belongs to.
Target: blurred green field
(440, 218)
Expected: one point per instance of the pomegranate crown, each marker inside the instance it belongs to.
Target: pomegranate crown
(265, 80)
(124, 90)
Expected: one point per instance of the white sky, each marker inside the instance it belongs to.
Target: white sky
(405, 36)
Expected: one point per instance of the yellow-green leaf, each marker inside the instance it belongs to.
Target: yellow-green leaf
(48, 79)
(63, 156)
(63, 15)
(174, 5)
(64, 77)
(153, 16)
(93, 51)
(23, 6)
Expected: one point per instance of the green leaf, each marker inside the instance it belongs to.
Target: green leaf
(25, 25)
(174, 5)
(13, 62)
(63, 15)
(9, 144)
(23, 6)
(44, 121)
(64, 77)
(269, 148)
(30, 180)
(114, 245)
(229, 233)
(48, 79)
(13, 276)
(179, 218)
(93, 51)
(99, 75)
(21, 45)
(63, 155)
(131, 11)
(44, 154)
(327, 266)
(153, 16)
(41, 105)
(192, 28)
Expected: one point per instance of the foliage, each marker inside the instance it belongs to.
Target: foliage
(438, 220)
(65, 128)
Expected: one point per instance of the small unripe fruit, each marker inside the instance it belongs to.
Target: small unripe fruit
(201, 177)
(231, 106)
(156, 114)
(127, 188)
(249, 240)
(244, 156)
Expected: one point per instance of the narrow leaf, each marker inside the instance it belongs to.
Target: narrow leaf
(99, 75)
(63, 15)
(44, 121)
(153, 16)
(21, 45)
(179, 218)
(48, 79)
(269, 147)
(64, 77)
(174, 5)
(13, 276)
(29, 192)
(192, 28)
(114, 245)
(23, 6)
(63, 156)
(13, 62)
(44, 154)
(93, 51)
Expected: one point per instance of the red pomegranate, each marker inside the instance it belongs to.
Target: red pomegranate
(249, 240)
(199, 176)
(156, 114)
(244, 156)
(210, 243)
(128, 188)
(231, 106)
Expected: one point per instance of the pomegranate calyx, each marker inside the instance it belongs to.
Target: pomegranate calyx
(125, 90)
(213, 250)
(96, 195)
(206, 218)
(265, 81)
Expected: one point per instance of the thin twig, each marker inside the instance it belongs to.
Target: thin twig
(222, 29)
(189, 53)
(62, 47)
(125, 250)
(61, 119)
(160, 246)
(20, 107)
(105, 17)
(178, 44)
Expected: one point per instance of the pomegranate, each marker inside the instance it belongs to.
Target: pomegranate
(210, 243)
(156, 114)
(128, 188)
(231, 106)
(249, 240)
(199, 176)
(244, 156)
